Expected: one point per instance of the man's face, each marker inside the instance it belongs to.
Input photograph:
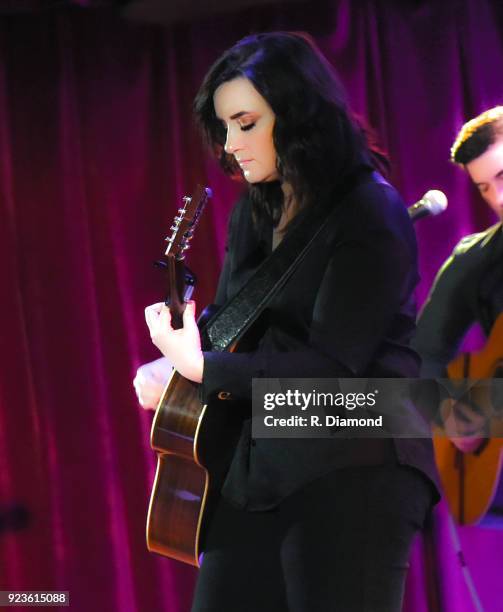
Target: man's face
(486, 171)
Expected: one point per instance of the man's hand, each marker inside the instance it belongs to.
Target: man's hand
(463, 426)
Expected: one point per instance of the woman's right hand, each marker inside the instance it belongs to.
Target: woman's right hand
(150, 381)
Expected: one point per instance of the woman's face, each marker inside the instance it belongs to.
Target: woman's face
(249, 121)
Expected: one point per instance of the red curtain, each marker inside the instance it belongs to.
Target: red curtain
(97, 147)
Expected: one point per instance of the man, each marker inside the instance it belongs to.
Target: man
(469, 285)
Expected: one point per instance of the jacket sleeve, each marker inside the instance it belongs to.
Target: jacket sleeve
(371, 271)
(445, 317)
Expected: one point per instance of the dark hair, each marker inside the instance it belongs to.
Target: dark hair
(317, 140)
(477, 135)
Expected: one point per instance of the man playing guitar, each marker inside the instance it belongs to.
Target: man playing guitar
(469, 286)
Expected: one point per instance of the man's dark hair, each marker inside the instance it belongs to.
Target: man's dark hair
(477, 135)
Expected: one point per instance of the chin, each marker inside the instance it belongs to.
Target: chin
(253, 179)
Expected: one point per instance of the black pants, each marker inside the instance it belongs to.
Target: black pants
(341, 544)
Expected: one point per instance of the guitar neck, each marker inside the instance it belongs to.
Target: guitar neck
(176, 290)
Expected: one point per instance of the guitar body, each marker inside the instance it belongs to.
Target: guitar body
(472, 482)
(195, 444)
(181, 483)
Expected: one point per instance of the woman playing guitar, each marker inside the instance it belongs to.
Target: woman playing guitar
(304, 524)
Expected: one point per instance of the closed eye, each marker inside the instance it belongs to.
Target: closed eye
(245, 128)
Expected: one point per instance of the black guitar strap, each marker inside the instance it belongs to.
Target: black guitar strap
(231, 321)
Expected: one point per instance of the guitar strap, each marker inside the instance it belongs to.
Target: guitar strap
(231, 321)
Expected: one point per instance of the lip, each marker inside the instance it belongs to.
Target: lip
(243, 161)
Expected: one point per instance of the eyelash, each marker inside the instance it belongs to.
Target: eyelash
(245, 128)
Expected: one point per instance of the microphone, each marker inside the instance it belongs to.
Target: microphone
(433, 203)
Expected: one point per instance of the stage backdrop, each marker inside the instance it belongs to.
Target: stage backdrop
(96, 149)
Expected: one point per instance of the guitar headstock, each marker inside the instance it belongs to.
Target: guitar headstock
(180, 279)
(185, 222)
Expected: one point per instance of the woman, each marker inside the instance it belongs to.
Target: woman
(305, 524)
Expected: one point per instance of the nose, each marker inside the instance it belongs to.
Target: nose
(494, 197)
(232, 141)
(499, 195)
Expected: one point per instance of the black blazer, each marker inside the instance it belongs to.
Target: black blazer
(348, 310)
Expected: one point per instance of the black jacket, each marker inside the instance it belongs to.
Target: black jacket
(468, 289)
(347, 311)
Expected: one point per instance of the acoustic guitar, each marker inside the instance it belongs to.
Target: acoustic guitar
(192, 441)
(472, 482)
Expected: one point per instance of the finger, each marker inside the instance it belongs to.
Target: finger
(153, 311)
(165, 318)
(189, 314)
(142, 374)
(137, 382)
(151, 316)
(465, 413)
(155, 307)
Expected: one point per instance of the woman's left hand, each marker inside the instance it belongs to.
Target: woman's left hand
(182, 347)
